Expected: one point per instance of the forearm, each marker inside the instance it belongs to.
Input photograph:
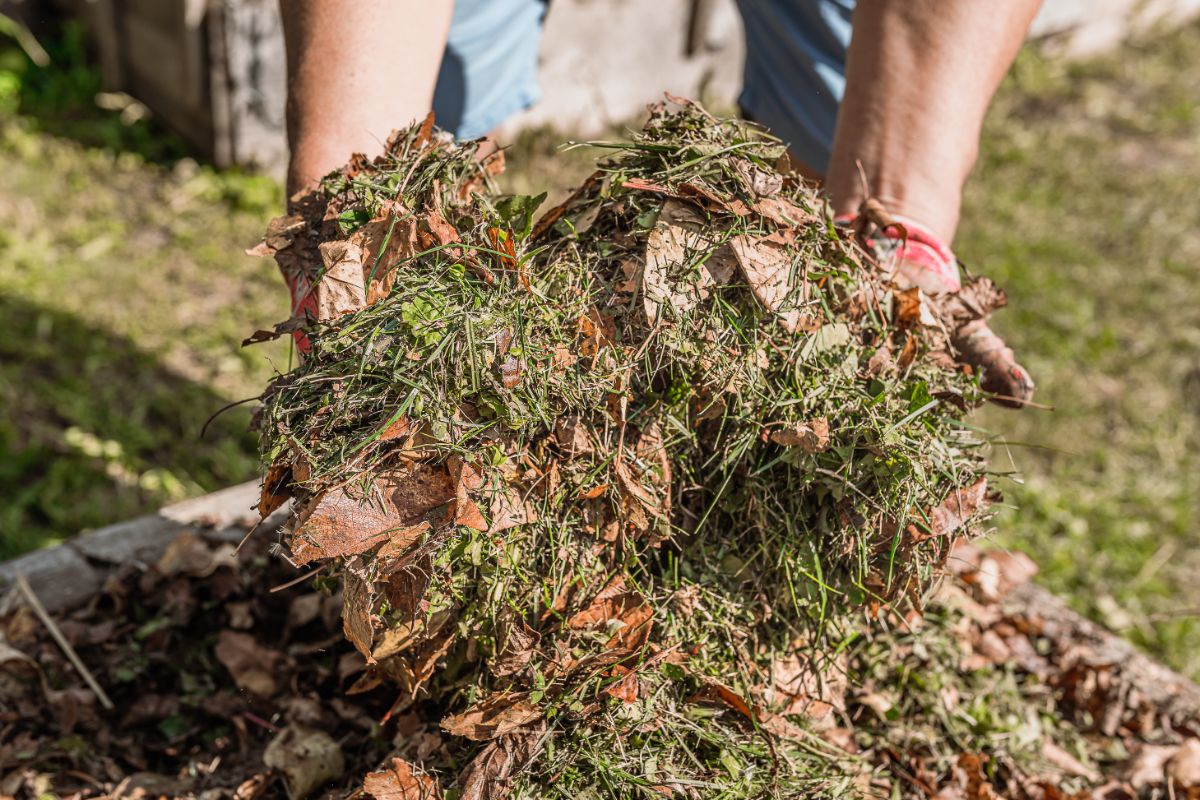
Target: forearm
(919, 77)
(356, 71)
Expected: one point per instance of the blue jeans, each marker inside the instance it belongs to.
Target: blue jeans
(795, 67)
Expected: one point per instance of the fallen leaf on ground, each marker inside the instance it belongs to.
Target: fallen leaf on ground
(1184, 766)
(811, 436)
(497, 715)
(1067, 763)
(489, 775)
(1148, 767)
(192, 556)
(307, 758)
(398, 782)
(252, 666)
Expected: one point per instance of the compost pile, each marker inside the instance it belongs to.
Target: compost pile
(612, 491)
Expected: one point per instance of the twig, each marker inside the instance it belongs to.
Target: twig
(299, 579)
(72, 656)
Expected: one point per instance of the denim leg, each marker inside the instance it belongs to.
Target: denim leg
(796, 70)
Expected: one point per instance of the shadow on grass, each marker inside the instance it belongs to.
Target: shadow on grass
(93, 430)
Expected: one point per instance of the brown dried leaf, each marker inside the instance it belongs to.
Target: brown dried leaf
(634, 631)
(811, 436)
(307, 758)
(680, 237)
(281, 232)
(1184, 766)
(489, 775)
(782, 212)
(509, 511)
(953, 513)
(192, 556)
(572, 437)
(252, 666)
(517, 644)
(339, 523)
(510, 372)
(1066, 763)
(766, 267)
(758, 181)
(609, 603)
(626, 689)
(340, 290)
(1148, 767)
(399, 782)
(800, 686)
(276, 488)
(386, 242)
(496, 715)
(358, 613)
(443, 232)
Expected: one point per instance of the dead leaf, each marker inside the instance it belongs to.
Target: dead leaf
(510, 372)
(800, 686)
(489, 775)
(633, 632)
(276, 488)
(759, 182)
(516, 643)
(953, 513)
(572, 437)
(496, 715)
(252, 666)
(443, 232)
(340, 523)
(811, 436)
(597, 331)
(386, 241)
(509, 511)
(340, 290)
(399, 782)
(466, 480)
(913, 308)
(672, 276)
(609, 603)
(1148, 767)
(767, 268)
(782, 212)
(190, 555)
(358, 613)
(1184, 767)
(281, 232)
(1068, 764)
(307, 758)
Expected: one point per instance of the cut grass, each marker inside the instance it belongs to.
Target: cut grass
(1082, 207)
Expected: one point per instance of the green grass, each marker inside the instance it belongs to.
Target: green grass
(1084, 206)
(123, 299)
(124, 295)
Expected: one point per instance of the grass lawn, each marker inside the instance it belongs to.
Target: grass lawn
(124, 296)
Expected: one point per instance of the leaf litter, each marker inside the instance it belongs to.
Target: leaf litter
(644, 497)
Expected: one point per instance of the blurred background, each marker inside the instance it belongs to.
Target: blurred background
(141, 143)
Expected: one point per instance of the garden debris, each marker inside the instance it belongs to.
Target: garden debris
(646, 495)
(536, 435)
(901, 711)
